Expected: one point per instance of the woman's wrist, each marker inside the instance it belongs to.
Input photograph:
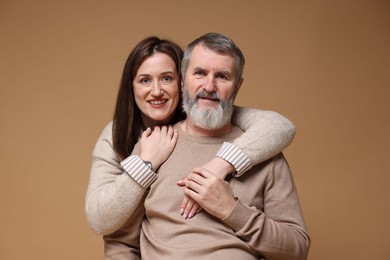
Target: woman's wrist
(219, 167)
(236, 157)
(136, 168)
(150, 162)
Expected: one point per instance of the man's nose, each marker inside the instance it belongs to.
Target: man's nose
(210, 84)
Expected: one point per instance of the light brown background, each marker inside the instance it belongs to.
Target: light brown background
(323, 64)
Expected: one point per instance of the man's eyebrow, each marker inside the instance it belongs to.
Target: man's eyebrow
(224, 72)
(199, 68)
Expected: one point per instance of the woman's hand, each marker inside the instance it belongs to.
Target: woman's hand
(212, 193)
(157, 145)
(188, 207)
(219, 168)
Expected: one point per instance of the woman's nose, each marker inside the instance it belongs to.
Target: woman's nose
(157, 89)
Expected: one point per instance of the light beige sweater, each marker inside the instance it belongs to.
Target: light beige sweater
(266, 221)
(112, 196)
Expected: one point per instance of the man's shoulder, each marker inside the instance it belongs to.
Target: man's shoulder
(236, 131)
(274, 166)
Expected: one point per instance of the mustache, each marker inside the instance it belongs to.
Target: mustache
(204, 94)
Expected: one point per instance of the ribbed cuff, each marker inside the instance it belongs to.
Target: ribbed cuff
(232, 154)
(238, 217)
(139, 171)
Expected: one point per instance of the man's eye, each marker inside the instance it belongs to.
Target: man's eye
(199, 73)
(223, 77)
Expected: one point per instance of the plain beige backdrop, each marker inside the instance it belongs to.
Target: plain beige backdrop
(323, 64)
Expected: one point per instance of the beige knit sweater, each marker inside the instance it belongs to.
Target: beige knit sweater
(266, 221)
(112, 196)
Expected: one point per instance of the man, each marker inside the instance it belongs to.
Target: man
(256, 217)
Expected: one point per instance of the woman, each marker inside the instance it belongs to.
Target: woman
(150, 98)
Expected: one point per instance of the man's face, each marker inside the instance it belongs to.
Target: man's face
(209, 90)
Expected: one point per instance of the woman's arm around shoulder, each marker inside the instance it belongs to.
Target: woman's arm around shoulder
(266, 133)
(112, 195)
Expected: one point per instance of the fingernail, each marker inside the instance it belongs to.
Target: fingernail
(185, 216)
(190, 215)
(181, 211)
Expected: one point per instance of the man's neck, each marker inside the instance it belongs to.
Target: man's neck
(191, 129)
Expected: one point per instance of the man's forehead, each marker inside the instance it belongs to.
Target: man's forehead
(204, 57)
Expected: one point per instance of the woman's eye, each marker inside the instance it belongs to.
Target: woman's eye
(166, 79)
(144, 81)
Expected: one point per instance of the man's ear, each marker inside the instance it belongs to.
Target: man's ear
(239, 84)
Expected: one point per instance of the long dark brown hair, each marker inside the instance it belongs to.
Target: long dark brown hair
(127, 123)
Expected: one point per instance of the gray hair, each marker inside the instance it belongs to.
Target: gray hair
(220, 44)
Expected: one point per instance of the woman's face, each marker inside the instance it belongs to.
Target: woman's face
(156, 89)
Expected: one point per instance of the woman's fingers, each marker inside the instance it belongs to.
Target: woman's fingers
(184, 204)
(146, 133)
(196, 208)
(189, 207)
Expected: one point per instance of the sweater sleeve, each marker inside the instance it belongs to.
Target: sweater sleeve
(138, 170)
(276, 231)
(125, 242)
(266, 133)
(112, 195)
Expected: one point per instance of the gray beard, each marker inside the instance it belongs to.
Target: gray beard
(205, 118)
